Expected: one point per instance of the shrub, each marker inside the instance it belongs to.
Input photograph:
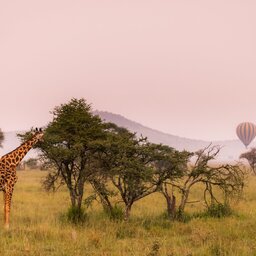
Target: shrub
(116, 213)
(219, 210)
(76, 215)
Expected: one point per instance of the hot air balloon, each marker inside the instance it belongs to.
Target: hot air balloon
(246, 132)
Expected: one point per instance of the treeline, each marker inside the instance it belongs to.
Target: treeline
(32, 163)
(80, 148)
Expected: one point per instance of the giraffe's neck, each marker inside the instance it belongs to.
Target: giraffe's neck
(13, 158)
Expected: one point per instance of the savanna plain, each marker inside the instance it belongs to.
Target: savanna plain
(38, 227)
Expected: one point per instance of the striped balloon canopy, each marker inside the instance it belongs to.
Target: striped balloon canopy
(246, 132)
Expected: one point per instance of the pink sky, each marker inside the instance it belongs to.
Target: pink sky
(185, 67)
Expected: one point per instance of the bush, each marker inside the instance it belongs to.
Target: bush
(76, 215)
(219, 210)
(182, 216)
(116, 213)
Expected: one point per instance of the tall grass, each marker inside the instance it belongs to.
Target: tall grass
(37, 227)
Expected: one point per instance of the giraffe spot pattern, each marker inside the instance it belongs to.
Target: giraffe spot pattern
(8, 176)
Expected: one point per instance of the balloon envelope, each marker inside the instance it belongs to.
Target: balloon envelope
(246, 132)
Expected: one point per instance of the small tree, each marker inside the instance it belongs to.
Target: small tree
(128, 162)
(170, 168)
(226, 178)
(250, 156)
(69, 146)
(103, 161)
(136, 168)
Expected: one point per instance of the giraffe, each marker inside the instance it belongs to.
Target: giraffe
(8, 176)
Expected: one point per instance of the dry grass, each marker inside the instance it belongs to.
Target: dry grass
(37, 229)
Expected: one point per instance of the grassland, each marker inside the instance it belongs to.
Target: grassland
(38, 229)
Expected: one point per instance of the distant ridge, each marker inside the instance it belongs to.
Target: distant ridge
(231, 149)
(153, 135)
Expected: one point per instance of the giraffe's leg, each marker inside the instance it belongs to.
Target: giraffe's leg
(7, 207)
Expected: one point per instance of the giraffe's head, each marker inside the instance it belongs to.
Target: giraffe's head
(38, 134)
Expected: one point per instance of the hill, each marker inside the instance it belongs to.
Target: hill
(231, 149)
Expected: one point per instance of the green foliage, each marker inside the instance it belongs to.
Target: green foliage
(76, 215)
(70, 142)
(88, 201)
(116, 213)
(80, 148)
(137, 167)
(126, 164)
(121, 166)
(72, 133)
(182, 216)
(219, 210)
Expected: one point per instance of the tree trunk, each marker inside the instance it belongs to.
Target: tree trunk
(80, 190)
(170, 201)
(72, 197)
(127, 212)
(183, 202)
(76, 201)
(171, 206)
(80, 193)
(102, 193)
(79, 201)
(107, 206)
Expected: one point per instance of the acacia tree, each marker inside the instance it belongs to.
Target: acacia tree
(69, 145)
(131, 172)
(129, 163)
(135, 167)
(169, 168)
(250, 156)
(102, 163)
(226, 178)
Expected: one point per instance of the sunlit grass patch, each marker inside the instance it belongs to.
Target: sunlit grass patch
(36, 227)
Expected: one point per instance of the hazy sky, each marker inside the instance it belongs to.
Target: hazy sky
(186, 67)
